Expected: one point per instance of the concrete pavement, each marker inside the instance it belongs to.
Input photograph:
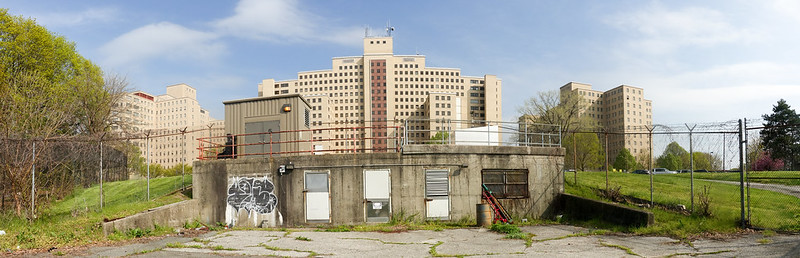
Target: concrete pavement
(549, 241)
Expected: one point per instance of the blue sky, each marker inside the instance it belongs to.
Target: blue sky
(699, 62)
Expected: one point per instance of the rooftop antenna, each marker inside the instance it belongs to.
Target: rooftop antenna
(366, 31)
(389, 28)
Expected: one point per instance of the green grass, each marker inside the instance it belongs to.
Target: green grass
(734, 176)
(769, 209)
(77, 219)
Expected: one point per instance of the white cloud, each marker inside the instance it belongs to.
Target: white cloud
(721, 93)
(788, 8)
(283, 21)
(658, 30)
(69, 19)
(161, 40)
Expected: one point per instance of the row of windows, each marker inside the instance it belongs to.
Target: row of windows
(426, 79)
(349, 67)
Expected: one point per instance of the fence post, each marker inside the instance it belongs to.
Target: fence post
(101, 173)
(741, 171)
(147, 143)
(575, 157)
(650, 162)
(33, 182)
(691, 167)
(183, 156)
(606, 149)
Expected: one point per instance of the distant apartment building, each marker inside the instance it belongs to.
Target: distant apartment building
(164, 118)
(380, 88)
(622, 109)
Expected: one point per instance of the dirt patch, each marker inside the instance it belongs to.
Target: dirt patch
(614, 195)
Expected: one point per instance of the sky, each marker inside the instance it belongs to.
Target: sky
(698, 61)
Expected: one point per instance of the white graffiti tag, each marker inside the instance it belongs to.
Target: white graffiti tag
(252, 195)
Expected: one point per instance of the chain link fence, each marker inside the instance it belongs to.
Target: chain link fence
(34, 172)
(693, 169)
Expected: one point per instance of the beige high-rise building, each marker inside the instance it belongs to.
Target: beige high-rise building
(380, 88)
(164, 118)
(622, 109)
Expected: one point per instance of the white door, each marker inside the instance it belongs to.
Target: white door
(318, 201)
(377, 191)
(437, 198)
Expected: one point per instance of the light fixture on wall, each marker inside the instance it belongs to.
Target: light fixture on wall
(286, 108)
(285, 169)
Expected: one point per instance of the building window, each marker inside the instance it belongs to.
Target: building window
(506, 183)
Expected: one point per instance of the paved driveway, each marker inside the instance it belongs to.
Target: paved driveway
(550, 241)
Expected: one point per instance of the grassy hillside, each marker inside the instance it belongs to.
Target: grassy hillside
(734, 176)
(772, 210)
(77, 219)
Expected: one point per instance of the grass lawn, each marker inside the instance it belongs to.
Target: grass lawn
(772, 210)
(734, 176)
(77, 219)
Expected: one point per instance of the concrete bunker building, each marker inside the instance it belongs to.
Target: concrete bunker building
(281, 178)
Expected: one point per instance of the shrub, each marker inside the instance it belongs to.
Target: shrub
(505, 228)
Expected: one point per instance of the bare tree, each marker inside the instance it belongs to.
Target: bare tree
(559, 108)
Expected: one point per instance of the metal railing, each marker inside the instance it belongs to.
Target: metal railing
(383, 136)
(300, 142)
(480, 132)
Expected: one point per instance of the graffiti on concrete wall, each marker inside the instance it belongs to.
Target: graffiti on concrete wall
(252, 194)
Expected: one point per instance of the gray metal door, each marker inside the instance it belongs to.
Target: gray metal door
(260, 141)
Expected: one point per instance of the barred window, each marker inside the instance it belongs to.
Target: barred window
(506, 183)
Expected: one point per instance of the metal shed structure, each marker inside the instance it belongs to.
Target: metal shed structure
(269, 125)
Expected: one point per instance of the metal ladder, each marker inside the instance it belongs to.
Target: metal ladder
(500, 213)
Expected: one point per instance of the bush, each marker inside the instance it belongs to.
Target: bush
(704, 207)
(505, 228)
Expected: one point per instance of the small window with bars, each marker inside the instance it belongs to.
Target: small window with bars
(506, 183)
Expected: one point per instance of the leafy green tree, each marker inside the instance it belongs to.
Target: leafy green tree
(441, 137)
(703, 160)
(47, 90)
(781, 134)
(589, 152)
(675, 149)
(669, 161)
(625, 161)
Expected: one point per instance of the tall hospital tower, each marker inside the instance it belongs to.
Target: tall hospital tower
(379, 88)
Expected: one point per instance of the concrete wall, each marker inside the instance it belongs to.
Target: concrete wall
(213, 181)
(172, 215)
(582, 208)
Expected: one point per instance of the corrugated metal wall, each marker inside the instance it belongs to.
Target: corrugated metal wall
(239, 112)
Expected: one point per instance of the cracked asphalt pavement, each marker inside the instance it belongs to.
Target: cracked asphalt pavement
(549, 241)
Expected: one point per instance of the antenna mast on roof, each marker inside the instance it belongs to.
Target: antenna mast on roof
(389, 29)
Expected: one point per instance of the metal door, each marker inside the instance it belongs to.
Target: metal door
(261, 137)
(377, 193)
(317, 197)
(437, 190)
